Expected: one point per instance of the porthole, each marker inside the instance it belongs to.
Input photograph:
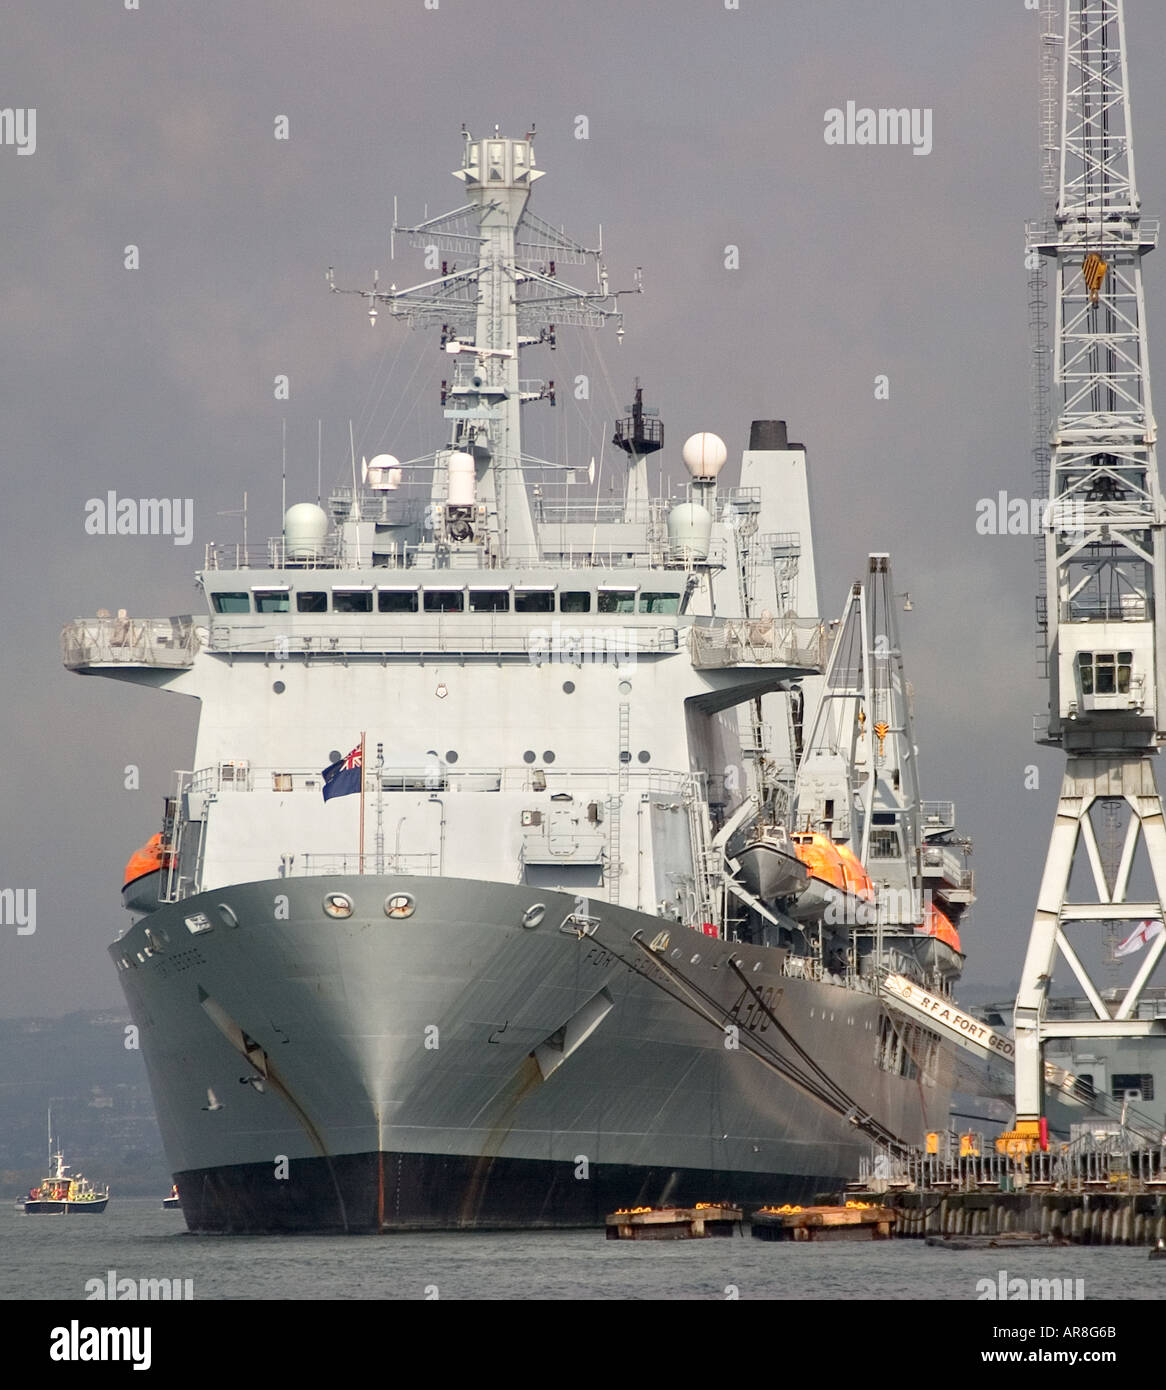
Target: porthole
(644, 756)
(400, 905)
(568, 687)
(451, 755)
(625, 687)
(695, 960)
(529, 756)
(338, 905)
(625, 756)
(279, 687)
(549, 756)
(335, 755)
(227, 913)
(197, 923)
(534, 915)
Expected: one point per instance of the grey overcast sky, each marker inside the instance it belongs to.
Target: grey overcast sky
(155, 127)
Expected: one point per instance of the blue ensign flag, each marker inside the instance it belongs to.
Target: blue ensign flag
(343, 777)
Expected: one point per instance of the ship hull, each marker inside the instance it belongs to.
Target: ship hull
(49, 1208)
(484, 1065)
(372, 1193)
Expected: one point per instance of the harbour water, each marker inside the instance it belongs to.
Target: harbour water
(55, 1258)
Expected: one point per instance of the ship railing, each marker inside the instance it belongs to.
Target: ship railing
(811, 968)
(274, 553)
(1093, 234)
(720, 642)
(1123, 608)
(125, 641)
(554, 642)
(579, 513)
(967, 1161)
(936, 815)
(945, 860)
(233, 776)
(652, 552)
(422, 865)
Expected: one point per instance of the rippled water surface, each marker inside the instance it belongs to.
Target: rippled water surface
(52, 1257)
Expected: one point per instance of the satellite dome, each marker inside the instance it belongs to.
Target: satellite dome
(689, 532)
(304, 528)
(383, 472)
(704, 456)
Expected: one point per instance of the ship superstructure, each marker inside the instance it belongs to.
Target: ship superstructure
(520, 978)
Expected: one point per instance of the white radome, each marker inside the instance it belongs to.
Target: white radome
(704, 455)
(383, 472)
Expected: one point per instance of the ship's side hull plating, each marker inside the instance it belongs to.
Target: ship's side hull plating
(495, 1059)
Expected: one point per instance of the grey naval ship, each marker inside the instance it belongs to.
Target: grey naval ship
(538, 857)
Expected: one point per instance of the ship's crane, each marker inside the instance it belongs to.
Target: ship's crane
(1105, 565)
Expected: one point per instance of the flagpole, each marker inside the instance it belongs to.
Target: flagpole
(361, 856)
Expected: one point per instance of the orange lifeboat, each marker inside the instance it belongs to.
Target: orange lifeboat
(857, 879)
(820, 855)
(938, 925)
(147, 860)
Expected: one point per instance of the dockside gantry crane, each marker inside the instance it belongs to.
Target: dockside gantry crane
(1104, 559)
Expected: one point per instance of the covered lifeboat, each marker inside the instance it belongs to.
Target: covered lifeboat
(838, 884)
(938, 924)
(142, 889)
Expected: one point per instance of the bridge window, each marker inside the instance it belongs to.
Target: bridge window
(576, 601)
(659, 603)
(534, 600)
(617, 600)
(445, 600)
(351, 600)
(397, 600)
(231, 603)
(311, 602)
(489, 601)
(271, 600)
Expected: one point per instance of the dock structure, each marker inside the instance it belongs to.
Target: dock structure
(1091, 1192)
(674, 1223)
(1057, 1218)
(854, 1221)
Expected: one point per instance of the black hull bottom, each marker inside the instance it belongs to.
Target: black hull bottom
(361, 1194)
(63, 1208)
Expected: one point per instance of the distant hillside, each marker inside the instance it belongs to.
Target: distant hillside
(102, 1111)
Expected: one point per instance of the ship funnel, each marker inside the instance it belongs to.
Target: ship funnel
(690, 528)
(305, 527)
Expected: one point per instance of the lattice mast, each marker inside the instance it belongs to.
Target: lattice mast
(1105, 567)
(506, 298)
